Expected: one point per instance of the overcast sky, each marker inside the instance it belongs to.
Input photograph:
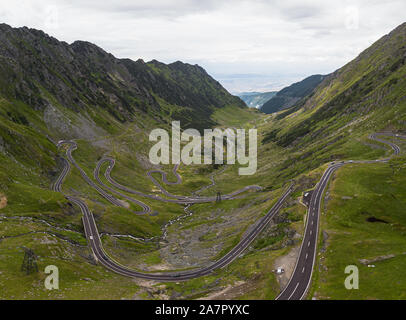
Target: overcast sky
(247, 45)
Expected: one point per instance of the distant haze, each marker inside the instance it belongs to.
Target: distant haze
(247, 45)
(243, 83)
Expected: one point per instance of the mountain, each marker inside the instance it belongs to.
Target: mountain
(368, 93)
(288, 96)
(256, 99)
(333, 124)
(41, 71)
(51, 90)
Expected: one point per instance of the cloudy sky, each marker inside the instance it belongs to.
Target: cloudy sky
(256, 45)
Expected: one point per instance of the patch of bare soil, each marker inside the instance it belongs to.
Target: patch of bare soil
(230, 292)
(156, 267)
(196, 247)
(287, 263)
(125, 203)
(149, 289)
(3, 201)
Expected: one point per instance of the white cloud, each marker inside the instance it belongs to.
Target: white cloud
(280, 39)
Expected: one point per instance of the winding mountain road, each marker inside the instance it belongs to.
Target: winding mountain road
(177, 199)
(301, 277)
(93, 235)
(300, 280)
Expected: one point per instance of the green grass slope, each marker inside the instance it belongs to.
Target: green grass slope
(365, 96)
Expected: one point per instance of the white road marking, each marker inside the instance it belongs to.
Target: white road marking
(308, 244)
(303, 269)
(293, 291)
(306, 255)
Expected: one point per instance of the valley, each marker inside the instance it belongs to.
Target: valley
(77, 186)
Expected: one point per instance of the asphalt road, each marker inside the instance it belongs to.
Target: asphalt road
(58, 183)
(109, 197)
(93, 236)
(176, 198)
(300, 280)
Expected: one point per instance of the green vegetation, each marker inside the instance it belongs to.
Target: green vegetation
(95, 101)
(290, 95)
(78, 277)
(360, 194)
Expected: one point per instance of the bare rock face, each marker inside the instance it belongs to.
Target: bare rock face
(83, 127)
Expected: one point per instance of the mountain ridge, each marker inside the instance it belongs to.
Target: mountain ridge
(374, 80)
(82, 74)
(289, 96)
(52, 90)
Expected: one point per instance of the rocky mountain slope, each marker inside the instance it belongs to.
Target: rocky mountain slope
(36, 69)
(288, 96)
(51, 90)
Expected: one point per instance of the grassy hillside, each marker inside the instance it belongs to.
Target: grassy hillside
(291, 95)
(364, 225)
(110, 106)
(367, 95)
